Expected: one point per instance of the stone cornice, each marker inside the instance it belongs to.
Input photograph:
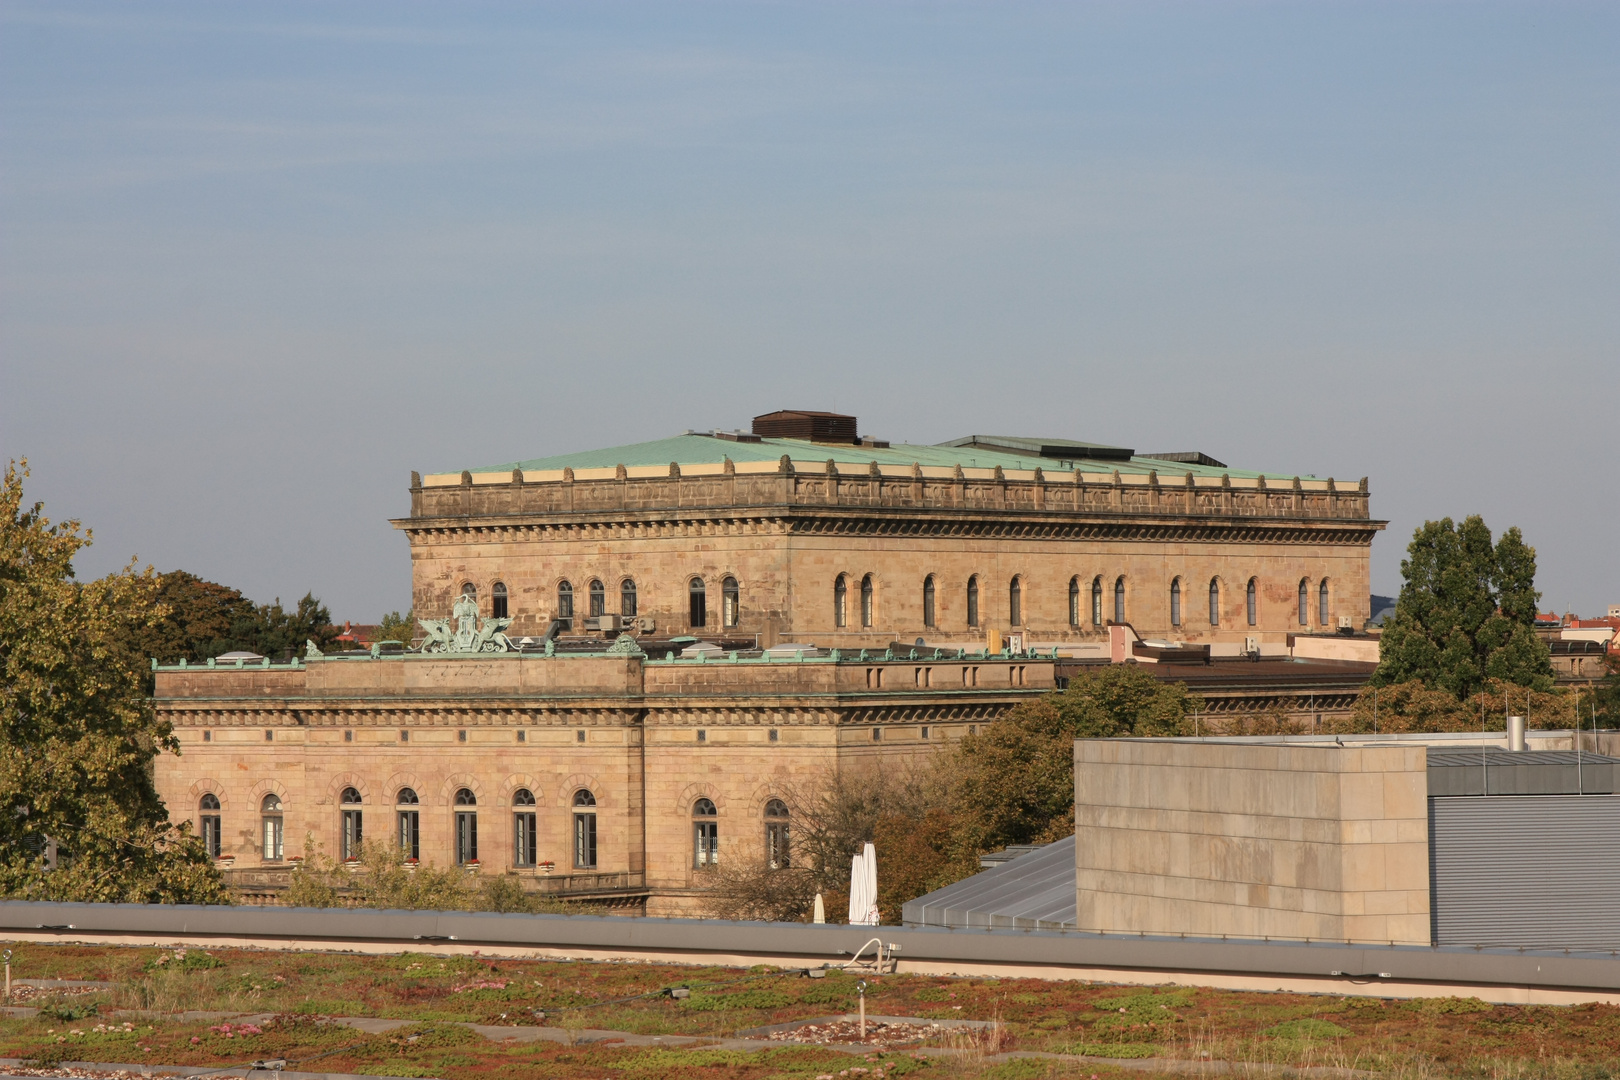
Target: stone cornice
(1010, 526)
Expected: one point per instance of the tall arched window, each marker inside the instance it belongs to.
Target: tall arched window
(1015, 602)
(497, 600)
(627, 598)
(973, 601)
(584, 830)
(469, 589)
(270, 808)
(1074, 602)
(598, 600)
(524, 845)
(1324, 615)
(778, 855)
(1119, 599)
(697, 603)
(352, 835)
(565, 605)
(866, 600)
(208, 820)
(1252, 599)
(1214, 601)
(466, 827)
(1096, 601)
(730, 603)
(841, 601)
(1175, 602)
(705, 834)
(928, 601)
(1304, 602)
(408, 817)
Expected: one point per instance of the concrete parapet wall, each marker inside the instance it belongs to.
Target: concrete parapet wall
(1325, 843)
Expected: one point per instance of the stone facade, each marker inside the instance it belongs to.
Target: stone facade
(646, 737)
(785, 529)
(1253, 840)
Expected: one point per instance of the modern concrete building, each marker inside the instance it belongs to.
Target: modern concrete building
(1404, 840)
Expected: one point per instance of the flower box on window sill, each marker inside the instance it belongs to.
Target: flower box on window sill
(547, 867)
(225, 858)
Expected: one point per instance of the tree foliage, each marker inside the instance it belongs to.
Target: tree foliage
(397, 627)
(1466, 612)
(78, 735)
(379, 878)
(205, 619)
(1013, 783)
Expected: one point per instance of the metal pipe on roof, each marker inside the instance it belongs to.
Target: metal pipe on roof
(1515, 732)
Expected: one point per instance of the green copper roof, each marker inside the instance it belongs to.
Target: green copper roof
(711, 450)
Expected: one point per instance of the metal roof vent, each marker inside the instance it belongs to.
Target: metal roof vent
(802, 424)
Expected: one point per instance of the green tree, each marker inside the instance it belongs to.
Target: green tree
(397, 627)
(1017, 775)
(203, 620)
(1466, 612)
(78, 735)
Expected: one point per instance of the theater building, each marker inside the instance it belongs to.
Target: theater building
(636, 655)
(804, 530)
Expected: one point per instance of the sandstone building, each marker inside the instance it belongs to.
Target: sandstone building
(596, 746)
(805, 531)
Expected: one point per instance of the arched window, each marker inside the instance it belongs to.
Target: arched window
(469, 589)
(466, 827)
(1074, 602)
(1096, 601)
(524, 845)
(627, 598)
(1214, 601)
(1323, 613)
(1304, 602)
(866, 600)
(208, 822)
(408, 820)
(840, 601)
(1015, 602)
(1119, 599)
(928, 601)
(697, 603)
(598, 600)
(730, 602)
(705, 834)
(1175, 602)
(1253, 601)
(778, 853)
(973, 601)
(497, 600)
(584, 830)
(270, 808)
(349, 842)
(565, 605)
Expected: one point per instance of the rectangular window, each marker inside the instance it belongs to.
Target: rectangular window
(585, 841)
(272, 839)
(210, 835)
(523, 840)
(351, 834)
(707, 843)
(410, 834)
(466, 837)
(698, 609)
(776, 844)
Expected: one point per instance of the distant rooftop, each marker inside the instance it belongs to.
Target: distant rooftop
(818, 437)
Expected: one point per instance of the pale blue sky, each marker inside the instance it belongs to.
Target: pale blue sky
(258, 262)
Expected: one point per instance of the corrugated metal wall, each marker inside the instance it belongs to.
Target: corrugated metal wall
(1538, 871)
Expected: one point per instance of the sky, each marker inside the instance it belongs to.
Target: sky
(258, 262)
